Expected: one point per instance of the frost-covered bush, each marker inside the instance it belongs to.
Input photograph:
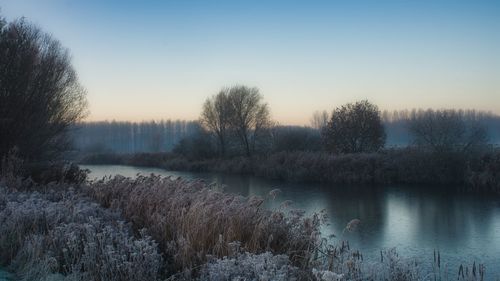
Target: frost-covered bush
(339, 263)
(60, 234)
(91, 251)
(26, 213)
(251, 267)
(392, 267)
(327, 275)
(343, 263)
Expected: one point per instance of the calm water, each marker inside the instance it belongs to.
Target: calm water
(4, 275)
(415, 220)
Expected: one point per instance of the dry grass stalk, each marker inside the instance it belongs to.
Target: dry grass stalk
(192, 222)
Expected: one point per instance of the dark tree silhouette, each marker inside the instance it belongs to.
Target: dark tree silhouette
(236, 111)
(249, 115)
(215, 117)
(354, 127)
(40, 97)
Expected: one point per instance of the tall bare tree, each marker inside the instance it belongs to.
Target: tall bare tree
(354, 127)
(249, 115)
(261, 127)
(216, 117)
(40, 96)
(239, 111)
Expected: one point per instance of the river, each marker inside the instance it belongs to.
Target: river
(415, 219)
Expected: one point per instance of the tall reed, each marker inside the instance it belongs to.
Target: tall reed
(192, 222)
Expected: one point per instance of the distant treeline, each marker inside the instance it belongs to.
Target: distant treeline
(446, 147)
(397, 129)
(163, 136)
(131, 137)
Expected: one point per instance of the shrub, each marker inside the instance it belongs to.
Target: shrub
(485, 176)
(14, 170)
(248, 266)
(60, 232)
(45, 172)
(92, 250)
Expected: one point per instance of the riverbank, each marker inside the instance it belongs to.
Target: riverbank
(474, 173)
(153, 228)
(148, 228)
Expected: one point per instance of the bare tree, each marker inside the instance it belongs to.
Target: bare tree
(319, 119)
(40, 97)
(216, 116)
(354, 127)
(249, 115)
(261, 127)
(446, 130)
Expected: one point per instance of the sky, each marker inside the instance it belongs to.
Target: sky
(143, 60)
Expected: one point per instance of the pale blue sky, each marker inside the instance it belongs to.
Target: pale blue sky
(160, 59)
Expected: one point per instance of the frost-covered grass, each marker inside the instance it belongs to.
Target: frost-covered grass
(156, 228)
(192, 222)
(61, 234)
(247, 266)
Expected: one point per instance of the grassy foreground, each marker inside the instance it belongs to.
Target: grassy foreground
(156, 228)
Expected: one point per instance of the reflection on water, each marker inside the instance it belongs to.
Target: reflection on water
(416, 220)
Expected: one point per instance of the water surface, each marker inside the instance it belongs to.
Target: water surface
(4, 275)
(416, 220)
